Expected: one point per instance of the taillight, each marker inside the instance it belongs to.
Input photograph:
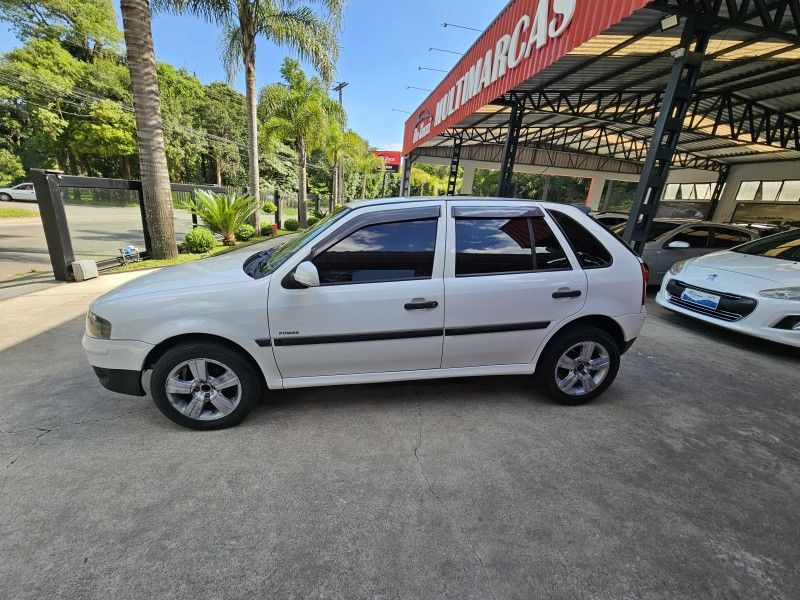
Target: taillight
(645, 281)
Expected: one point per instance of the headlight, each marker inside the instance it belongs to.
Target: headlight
(97, 327)
(677, 267)
(781, 293)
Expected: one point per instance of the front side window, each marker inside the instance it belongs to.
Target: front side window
(383, 252)
(486, 246)
(590, 252)
(696, 237)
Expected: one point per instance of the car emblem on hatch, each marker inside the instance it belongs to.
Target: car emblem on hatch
(712, 277)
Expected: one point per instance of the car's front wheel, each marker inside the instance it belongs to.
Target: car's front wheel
(5, 198)
(578, 365)
(205, 385)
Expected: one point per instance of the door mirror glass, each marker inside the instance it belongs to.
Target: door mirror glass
(306, 274)
(677, 244)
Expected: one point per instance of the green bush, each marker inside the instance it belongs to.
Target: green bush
(244, 232)
(199, 240)
(313, 221)
(269, 207)
(291, 225)
(266, 230)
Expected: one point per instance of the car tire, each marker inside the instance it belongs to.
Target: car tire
(6, 198)
(205, 385)
(578, 365)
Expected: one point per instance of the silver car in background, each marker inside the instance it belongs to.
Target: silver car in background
(673, 240)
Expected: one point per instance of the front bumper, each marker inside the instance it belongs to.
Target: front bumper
(120, 381)
(117, 363)
(760, 323)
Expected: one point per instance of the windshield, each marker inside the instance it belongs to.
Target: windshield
(784, 246)
(265, 262)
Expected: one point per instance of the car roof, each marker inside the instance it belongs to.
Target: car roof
(488, 199)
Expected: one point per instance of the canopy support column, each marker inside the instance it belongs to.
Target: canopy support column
(405, 182)
(454, 160)
(505, 188)
(674, 106)
(718, 187)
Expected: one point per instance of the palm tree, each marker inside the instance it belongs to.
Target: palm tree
(297, 111)
(222, 213)
(341, 146)
(366, 165)
(289, 23)
(152, 157)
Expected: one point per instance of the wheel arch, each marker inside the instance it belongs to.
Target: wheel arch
(162, 347)
(603, 322)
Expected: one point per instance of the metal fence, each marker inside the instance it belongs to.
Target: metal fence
(93, 217)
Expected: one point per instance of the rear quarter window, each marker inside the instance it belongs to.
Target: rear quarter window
(589, 251)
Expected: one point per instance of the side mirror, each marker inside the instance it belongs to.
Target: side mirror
(678, 245)
(306, 274)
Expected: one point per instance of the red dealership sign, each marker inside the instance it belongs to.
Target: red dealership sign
(527, 37)
(391, 159)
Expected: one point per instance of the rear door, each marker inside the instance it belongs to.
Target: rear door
(508, 281)
(380, 304)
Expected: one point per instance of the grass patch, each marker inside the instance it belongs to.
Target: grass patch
(12, 212)
(187, 257)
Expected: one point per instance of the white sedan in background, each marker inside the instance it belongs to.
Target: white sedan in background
(23, 192)
(753, 288)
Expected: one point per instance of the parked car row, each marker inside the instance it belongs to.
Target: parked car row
(23, 192)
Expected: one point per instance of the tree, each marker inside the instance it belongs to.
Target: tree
(284, 22)
(84, 27)
(109, 133)
(296, 111)
(224, 117)
(152, 157)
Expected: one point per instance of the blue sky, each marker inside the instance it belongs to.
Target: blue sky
(383, 44)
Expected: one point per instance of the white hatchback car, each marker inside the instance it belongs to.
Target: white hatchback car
(753, 288)
(387, 290)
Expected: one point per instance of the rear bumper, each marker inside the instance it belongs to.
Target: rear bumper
(120, 381)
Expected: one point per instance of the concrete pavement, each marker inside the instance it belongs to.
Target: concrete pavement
(683, 481)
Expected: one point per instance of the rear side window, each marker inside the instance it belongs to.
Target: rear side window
(590, 252)
(383, 252)
(486, 246)
(728, 238)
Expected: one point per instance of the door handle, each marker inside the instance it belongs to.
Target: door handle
(421, 304)
(567, 294)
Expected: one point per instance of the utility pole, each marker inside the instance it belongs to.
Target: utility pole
(340, 85)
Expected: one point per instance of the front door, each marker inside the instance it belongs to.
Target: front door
(699, 239)
(508, 282)
(380, 304)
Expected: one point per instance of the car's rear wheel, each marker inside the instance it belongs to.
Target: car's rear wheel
(578, 365)
(205, 385)
(5, 198)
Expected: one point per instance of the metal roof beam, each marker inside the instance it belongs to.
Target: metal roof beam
(773, 16)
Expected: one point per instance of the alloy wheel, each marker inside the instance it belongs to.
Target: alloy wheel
(203, 389)
(582, 368)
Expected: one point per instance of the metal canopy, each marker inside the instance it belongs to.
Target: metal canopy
(604, 97)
